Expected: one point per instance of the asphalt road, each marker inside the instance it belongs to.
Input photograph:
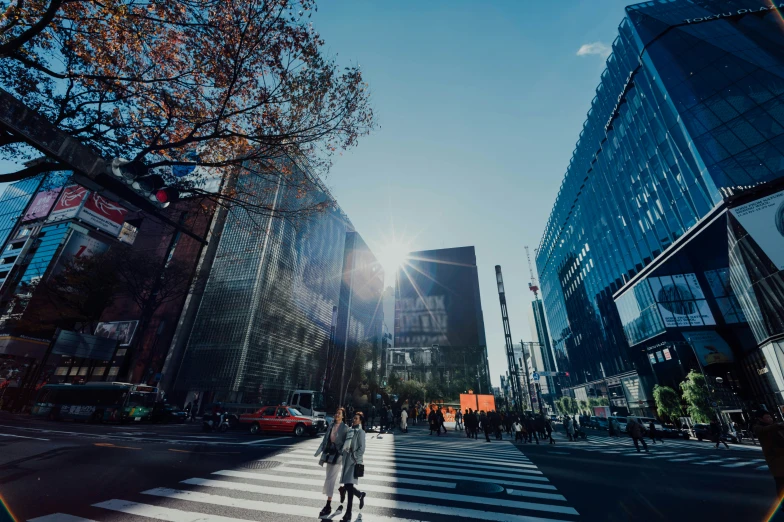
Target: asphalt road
(68, 472)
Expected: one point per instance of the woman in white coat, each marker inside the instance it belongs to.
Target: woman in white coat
(330, 453)
(353, 451)
(404, 420)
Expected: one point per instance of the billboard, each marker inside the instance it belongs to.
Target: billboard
(763, 219)
(477, 402)
(78, 245)
(68, 205)
(681, 301)
(41, 205)
(104, 214)
(710, 347)
(122, 331)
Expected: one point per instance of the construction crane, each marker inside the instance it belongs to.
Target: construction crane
(533, 285)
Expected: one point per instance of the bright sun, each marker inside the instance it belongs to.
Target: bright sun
(392, 255)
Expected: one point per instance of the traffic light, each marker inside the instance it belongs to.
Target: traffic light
(563, 374)
(150, 186)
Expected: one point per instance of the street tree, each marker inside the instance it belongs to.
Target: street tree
(697, 397)
(583, 405)
(668, 403)
(230, 88)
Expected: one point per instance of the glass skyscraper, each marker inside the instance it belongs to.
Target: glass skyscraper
(644, 265)
(265, 321)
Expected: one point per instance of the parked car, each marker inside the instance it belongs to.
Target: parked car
(703, 432)
(168, 413)
(602, 423)
(281, 419)
(621, 423)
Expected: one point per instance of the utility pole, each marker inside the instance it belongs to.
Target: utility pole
(514, 371)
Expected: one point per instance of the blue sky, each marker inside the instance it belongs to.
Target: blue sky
(480, 105)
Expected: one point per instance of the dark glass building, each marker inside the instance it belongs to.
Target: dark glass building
(437, 303)
(649, 266)
(264, 325)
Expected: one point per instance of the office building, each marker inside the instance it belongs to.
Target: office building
(542, 352)
(287, 304)
(663, 250)
(437, 303)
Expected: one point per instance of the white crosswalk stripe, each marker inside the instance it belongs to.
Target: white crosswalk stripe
(671, 451)
(405, 480)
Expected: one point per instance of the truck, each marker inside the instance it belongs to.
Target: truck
(308, 402)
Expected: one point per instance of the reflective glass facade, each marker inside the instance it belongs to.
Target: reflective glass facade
(13, 202)
(689, 112)
(264, 324)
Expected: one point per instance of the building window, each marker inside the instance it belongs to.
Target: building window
(61, 371)
(113, 371)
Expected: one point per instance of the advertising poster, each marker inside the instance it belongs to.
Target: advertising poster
(485, 402)
(78, 245)
(710, 347)
(652, 358)
(41, 205)
(69, 203)
(667, 355)
(103, 214)
(122, 331)
(681, 301)
(128, 234)
(764, 221)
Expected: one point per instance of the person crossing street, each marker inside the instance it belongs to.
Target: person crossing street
(653, 433)
(637, 431)
(716, 434)
(353, 465)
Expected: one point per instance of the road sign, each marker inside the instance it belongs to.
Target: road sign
(548, 374)
(536, 376)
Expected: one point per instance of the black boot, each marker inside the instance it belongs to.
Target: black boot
(326, 510)
(342, 491)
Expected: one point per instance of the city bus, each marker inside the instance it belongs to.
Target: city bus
(96, 402)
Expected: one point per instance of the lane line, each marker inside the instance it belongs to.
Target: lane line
(739, 464)
(715, 461)
(450, 463)
(257, 505)
(20, 436)
(687, 459)
(253, 488)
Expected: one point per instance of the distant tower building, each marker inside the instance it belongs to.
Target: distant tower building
(542, 353)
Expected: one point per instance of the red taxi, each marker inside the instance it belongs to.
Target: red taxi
(281, 419)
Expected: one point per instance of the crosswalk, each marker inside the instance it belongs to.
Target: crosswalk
(673, 450)
(406, 479)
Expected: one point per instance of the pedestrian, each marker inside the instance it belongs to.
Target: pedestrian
(484, 421)
(353, 464)
(548, 426)
(653, 433)
(716, 434)
(440, 419)
(611, 427)
(570, 429)
(496, 421)
(372, 416)
(530, 427)
(404, 421)
(471, 423)
(382, 418)
(390, 420)
(329, 453)
(540, 426)
(518, 430)
(432, 420)
(771, 437)
(637, 431)
(738, 432)
(458, 420)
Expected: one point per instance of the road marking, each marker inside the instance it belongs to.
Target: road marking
(320, 481)
(559, 452)
(687, 459)
(257, 505)
(762, 467)
(448, 457)
(397, 464)
(59, 517)
(205, 452)
(253, 488)
(715, 461)
(19, 436)
(379, 472)
(667, 454)
(110, 445)
(739, 464)
(448, 463)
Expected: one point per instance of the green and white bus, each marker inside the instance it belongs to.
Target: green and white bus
(96, 402)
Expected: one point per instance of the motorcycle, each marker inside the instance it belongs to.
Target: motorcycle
(218, 422)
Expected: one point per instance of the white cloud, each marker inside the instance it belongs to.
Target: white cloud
(597, 48)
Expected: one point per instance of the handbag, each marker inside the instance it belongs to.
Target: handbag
(332, 453)
(359, 470)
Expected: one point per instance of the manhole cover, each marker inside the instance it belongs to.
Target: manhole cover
(479, 487)
(262, 464)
